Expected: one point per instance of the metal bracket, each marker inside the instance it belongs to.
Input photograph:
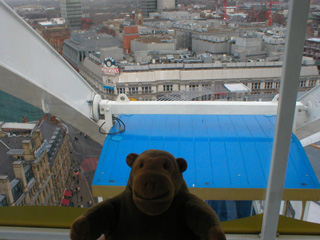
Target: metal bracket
(308, 118)
(95, 107)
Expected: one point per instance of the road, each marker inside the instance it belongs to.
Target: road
(85, 150)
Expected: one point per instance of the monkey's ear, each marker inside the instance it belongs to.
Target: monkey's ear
(182, 164)
(130, 158)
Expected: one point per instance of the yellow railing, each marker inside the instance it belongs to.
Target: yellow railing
(62, 217)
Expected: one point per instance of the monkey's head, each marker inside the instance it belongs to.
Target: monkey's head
(155, 179)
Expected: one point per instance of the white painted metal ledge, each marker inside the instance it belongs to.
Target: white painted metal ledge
(22, 233)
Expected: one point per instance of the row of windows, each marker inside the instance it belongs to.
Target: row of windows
(271, 85)
(135, 90)
(29, 174)
(197, 87)
(16, 190)
(167, 88)
(3, 202)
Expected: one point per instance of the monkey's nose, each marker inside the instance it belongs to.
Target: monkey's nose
(149, 186)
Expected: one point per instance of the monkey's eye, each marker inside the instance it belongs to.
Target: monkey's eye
(166, 166)
(141, 165)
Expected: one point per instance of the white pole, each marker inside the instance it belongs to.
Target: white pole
(288, 92)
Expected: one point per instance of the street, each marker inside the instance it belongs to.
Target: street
(86, 153)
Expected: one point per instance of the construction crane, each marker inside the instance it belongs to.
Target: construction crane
(270, 14)
(225, 10)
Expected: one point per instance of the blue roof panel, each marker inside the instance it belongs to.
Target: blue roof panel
(222, 151)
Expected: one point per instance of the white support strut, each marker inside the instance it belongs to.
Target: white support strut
(33, 71)
(124, 106)
(295, 38)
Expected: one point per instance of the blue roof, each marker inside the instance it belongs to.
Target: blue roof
(226, 152)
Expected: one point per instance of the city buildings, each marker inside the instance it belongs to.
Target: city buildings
(71, 11)
(165, 4)
(35, 163)
(129, 33)
(55, 32)
(312, 48)
(81, 44)
(153, 81)
(153, 43)
(148, 6)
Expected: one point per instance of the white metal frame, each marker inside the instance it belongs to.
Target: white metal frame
(295, 38)
(123, 106)
(32, 70)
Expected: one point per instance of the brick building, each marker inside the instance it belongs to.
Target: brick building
(54, 32)
(129, 33)
(312, 48)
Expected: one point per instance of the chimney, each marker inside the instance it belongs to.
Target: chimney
(37, 138)
(6, 189)
(53, 119)
(27, 147)
(19, 174)
(24, 119)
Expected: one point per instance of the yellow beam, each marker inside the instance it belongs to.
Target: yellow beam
(62, 217)
(224, 193)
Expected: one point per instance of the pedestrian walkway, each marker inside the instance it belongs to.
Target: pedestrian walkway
(81, 194)
(89, 164)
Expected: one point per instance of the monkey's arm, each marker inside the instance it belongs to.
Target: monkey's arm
(99, 219)
(202, 220)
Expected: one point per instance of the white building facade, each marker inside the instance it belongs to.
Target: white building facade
(151, 82)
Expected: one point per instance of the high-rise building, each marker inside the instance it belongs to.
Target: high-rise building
(166, 4)
(71, 11)
(148, 6)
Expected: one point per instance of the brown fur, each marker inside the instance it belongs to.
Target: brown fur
(156, 204)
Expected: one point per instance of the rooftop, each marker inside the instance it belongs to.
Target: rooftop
(8, 147)
(228, 156)
(155, 39)
(19, 126)
(91, 40)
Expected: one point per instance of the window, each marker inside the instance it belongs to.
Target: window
(28, 173)
(302, 83)
(109, 90)
(206, 86)
(16, 189)
(146, 89)
(133, 90)
(194, 87)
(312, 83)
(121, 90)
(256, 85)
(167, 88)
(3, 201)
(268, 85)
(277, 84)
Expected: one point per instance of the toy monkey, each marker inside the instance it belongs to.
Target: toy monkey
(155, 205)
